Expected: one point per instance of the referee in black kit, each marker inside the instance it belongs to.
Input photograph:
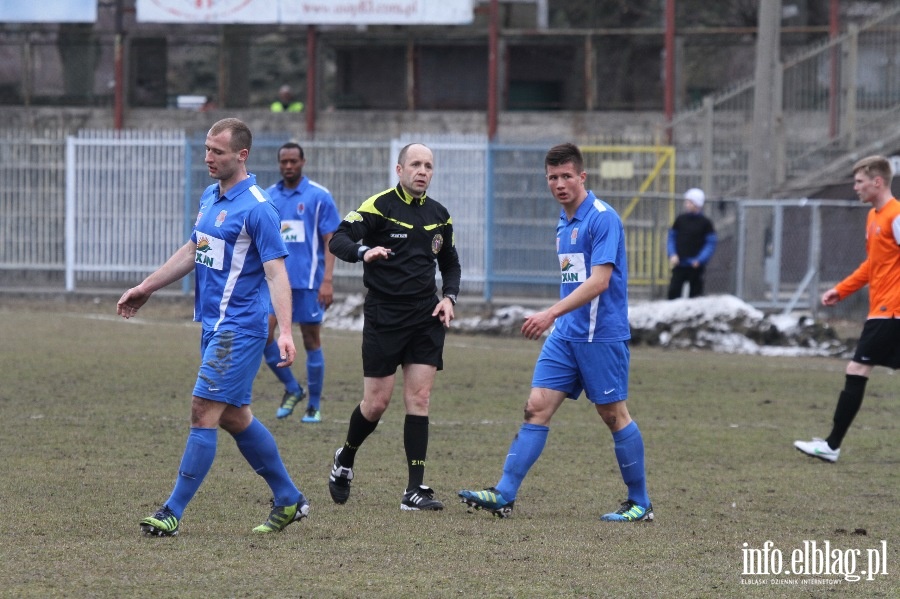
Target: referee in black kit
(399, 234)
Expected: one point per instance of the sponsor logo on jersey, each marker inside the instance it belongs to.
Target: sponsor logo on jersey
(293, 231)
(210, 251)
(571, 268)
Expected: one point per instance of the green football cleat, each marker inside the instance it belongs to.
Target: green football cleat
(281, 516)
(161, 524)
(312, 415)
(288, 402)
(629, 511)
(490, 499)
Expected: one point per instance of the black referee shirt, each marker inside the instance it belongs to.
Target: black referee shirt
(418, 230)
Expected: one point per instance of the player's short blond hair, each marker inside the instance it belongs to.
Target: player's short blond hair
(875, 166)
(241, 137)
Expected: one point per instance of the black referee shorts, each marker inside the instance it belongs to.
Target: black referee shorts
(879, 343)
(400, 332)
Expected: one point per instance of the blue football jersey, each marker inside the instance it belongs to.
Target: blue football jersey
(235, 234)
(307, 213)
(594, 236)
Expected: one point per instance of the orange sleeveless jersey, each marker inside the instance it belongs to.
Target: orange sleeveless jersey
(881, 268)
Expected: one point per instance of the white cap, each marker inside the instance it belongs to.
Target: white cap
(695, 196)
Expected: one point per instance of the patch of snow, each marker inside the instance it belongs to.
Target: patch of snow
(721, 323)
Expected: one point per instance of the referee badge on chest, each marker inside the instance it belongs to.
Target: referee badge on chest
(437, 242)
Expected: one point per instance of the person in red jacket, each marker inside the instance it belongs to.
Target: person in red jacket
(879, 343)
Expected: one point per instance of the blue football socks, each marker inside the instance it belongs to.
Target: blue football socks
(273, 356)
(258, 447)
(524, 451)
(195, 464)
(315, 375)
(629, 447)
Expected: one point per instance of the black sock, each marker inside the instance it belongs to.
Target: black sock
(415, 440)
(848, 405)
(359, 429)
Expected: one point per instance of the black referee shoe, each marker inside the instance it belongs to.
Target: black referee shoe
(420, 499)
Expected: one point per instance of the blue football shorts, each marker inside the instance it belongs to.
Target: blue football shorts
(306, 308)
(230, 361)
(598, 369)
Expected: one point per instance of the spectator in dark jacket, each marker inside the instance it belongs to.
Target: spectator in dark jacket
(691, 243)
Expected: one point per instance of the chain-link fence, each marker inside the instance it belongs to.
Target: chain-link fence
(790, 251)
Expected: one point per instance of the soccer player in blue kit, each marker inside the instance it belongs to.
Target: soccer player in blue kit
(588, 346)
(308, 220)
(237, 256)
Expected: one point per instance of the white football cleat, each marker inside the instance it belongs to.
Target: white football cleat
(818, 448)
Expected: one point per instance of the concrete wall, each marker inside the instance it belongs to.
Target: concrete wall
(594, 127)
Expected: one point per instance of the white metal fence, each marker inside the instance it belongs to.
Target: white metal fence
(32, 213)
(125, 208)
(103, 209)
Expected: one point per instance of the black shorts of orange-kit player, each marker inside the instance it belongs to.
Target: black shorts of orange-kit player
(879, 343)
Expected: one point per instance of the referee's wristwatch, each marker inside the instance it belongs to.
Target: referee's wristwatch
(361, 251)
(451, 297)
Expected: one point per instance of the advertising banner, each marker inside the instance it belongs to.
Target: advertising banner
(48, 11)
(207, 11)
(308, 12)
(377, 12)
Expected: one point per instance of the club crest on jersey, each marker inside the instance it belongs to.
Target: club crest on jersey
(574, 239)
(301, 208)
(437, 242)
(221, 218)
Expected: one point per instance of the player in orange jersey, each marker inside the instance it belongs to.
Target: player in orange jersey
(879, 343)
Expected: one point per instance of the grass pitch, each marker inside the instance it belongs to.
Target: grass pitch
(96, 416)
